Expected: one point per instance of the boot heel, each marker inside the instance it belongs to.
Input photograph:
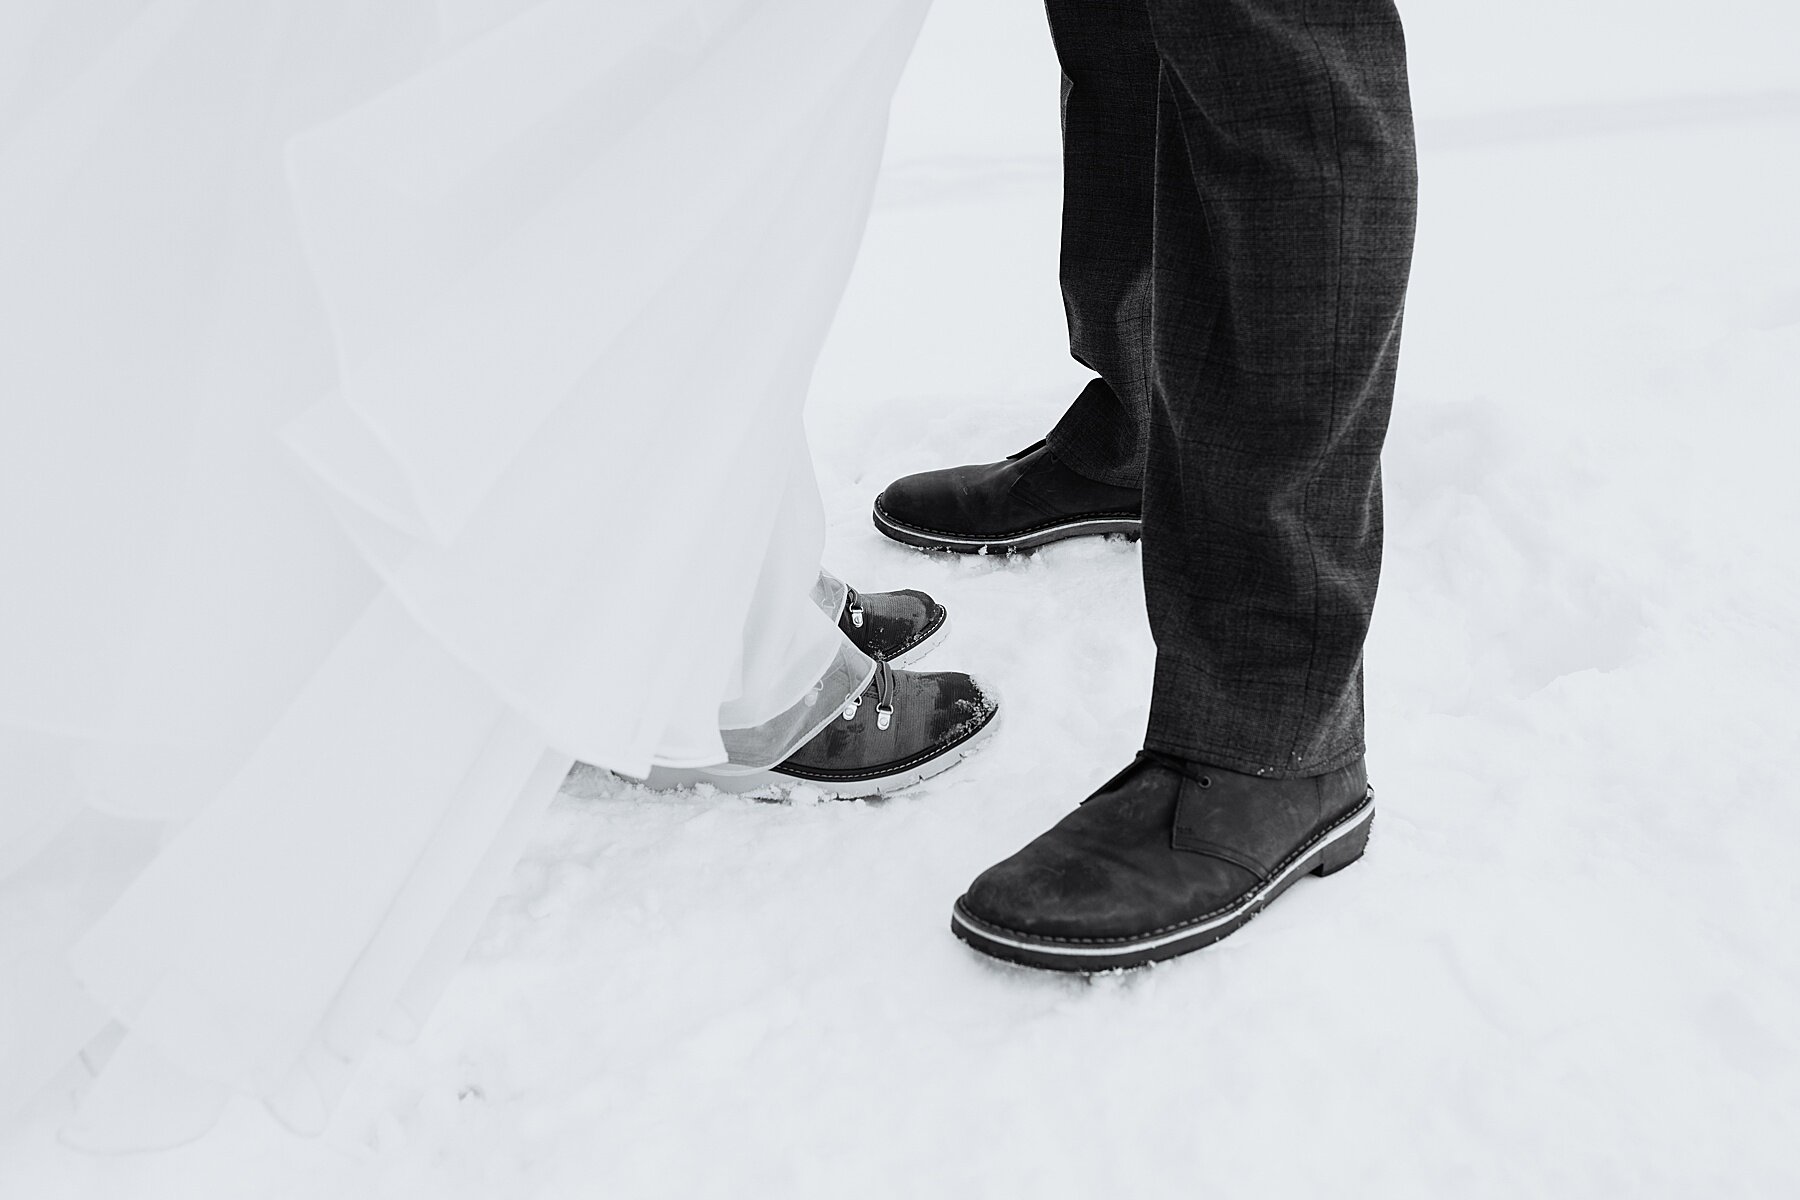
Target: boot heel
(1345, 850)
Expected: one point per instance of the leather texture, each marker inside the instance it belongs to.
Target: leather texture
(1029, 491)
(934, 711)
(892, 622)
(1161, 844)
(1256, 822)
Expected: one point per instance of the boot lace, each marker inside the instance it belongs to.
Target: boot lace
(883, 687)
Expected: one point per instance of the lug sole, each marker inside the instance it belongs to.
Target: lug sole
(774, 784)
(926, 539)
(1334, 849)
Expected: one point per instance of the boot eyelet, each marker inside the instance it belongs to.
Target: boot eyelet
(1205, 781)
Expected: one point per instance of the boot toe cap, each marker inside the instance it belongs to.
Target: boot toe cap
(961, 706)
(921, 500)
(1053, 895)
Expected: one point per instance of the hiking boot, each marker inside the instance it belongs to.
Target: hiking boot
(905, 727)
(894, 627)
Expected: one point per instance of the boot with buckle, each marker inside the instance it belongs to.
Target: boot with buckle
(895, 627)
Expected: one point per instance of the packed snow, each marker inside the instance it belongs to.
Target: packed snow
(1569, 964)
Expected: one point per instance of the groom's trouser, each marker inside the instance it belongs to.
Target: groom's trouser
(1240, 189)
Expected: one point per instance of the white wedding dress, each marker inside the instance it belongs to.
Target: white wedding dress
(401, 400)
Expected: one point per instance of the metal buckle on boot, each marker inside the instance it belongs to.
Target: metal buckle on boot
(884, 694)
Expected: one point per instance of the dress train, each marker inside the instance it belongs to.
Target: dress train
(406, 404)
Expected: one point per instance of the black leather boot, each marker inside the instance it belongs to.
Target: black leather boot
(1167, 857)
(1026, 501)
(904, 727)
(895, 627)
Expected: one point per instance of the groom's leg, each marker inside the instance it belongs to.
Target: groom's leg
(1285, 198)
(1284, 204)
(1087, 477)
(1110, 70)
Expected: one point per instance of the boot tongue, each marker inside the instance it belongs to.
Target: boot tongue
(1171, 762)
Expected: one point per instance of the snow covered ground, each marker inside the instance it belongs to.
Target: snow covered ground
(1569, 965)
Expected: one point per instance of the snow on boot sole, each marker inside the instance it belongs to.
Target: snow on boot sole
(1008, 543)
(775, 783)
(931, 642)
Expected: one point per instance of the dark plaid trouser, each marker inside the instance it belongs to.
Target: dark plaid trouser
(1239, 195)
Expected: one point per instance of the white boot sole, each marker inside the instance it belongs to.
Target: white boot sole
(773, 784)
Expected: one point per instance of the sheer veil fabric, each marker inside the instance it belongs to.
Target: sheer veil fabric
(402, 400)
